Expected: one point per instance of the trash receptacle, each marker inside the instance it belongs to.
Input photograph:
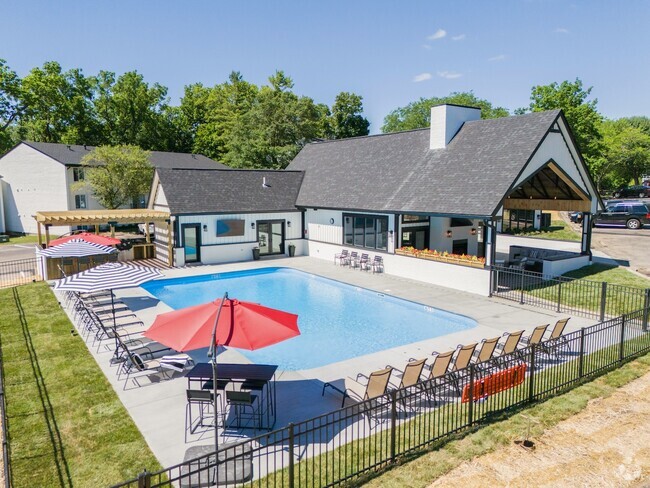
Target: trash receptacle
(292, 250)
(256, 253)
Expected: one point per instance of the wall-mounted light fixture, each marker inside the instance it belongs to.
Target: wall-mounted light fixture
(288, 223)
(449, 234)
(205, 227)
(252, 225)
(332, 221)
(473, 231)
(390, 232)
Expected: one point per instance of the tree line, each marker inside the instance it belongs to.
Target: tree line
(245, 125)
(236, 122)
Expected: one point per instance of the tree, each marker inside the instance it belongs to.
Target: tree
(213, 113)
(131, 111)
(278, 124)
(627, 151)
(346, 118)
(118, 175)
(417, 114)
(581, 113)
(11, 106)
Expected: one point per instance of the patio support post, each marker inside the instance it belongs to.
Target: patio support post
(47, 235)
(170, 244)
(96, 229)
(585, 245)
(147, 235)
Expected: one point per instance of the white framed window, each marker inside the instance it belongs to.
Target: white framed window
(80, 201)
(78, 174)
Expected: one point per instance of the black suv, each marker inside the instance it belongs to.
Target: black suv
(641, 191)
(632, 215)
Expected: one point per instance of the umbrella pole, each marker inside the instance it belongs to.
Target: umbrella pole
(213, 353)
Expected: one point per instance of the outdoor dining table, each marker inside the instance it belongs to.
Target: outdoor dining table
(240, 373)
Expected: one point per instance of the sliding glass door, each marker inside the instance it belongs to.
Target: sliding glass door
(270, 236)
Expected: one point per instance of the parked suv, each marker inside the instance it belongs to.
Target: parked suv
(640, 191)
(632, 215)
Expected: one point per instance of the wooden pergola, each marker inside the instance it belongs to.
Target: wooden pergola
(97, 217)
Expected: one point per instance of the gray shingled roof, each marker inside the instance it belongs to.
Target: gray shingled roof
(229, 191)
(72, 154)
(399, 173)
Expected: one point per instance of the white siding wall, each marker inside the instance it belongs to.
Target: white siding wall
(3, 228)
(216, 250)
(76, 189)
(440, 242)
(33, 182)
(472, 280)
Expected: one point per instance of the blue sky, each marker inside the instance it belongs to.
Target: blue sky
(390, 52)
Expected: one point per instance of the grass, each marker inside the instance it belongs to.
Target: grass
(559, 230)
(28, 239)
(588, 296)
(66, 426)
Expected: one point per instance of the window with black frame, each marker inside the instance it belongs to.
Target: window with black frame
(366, 231)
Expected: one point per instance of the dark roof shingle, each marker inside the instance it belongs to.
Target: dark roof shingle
(229, 191)
(399, 173)
(73, 153)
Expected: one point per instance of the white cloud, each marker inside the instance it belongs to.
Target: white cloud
(562, 30)
(449, 75)
(426, 46)
(499, 57)
(421, 77)
(439, 34)
(460, 37)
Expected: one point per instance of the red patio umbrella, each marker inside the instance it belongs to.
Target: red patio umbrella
(223, 322)
(88, 237)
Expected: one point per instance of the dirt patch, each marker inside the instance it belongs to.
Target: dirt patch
(606, 445)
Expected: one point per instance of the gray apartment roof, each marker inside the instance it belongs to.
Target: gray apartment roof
(229, 191)
(72, 154)
(399, 173)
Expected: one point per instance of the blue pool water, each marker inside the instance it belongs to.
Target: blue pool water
(337, 321)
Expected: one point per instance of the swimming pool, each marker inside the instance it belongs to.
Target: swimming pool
(337, 321)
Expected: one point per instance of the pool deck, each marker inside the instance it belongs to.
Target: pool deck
(158, 407)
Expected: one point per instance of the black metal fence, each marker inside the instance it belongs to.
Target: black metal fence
(593, 299)
(19, 272)
(343, 445)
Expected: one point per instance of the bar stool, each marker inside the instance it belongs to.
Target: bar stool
(257, 386)
(204, 400)
(221, 390)
(242, 400)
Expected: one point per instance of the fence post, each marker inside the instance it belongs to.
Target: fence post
(470, 406)
(559, 296)
(291, 461)
(144, 479)
(621, 353)
(646, 305)
(521, 299)
(603, 299)
(582, 353)
(393, 424)
(531, 385)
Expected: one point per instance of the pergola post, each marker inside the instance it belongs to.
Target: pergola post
(96, 229)
(147, 235)
(47, 235)
(40, 237)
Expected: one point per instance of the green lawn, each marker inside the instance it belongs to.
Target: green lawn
(28, 239)
(66, 425)
(587, 296)
(559, 230)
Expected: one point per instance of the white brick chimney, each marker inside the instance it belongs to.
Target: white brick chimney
(446, 120)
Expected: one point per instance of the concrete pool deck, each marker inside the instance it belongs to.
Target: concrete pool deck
(158, 407)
